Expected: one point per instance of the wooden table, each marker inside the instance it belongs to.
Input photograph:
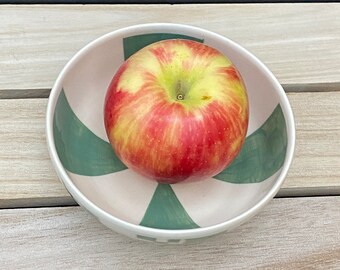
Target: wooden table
(42, 227)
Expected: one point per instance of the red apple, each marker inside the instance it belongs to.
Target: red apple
(177, 110)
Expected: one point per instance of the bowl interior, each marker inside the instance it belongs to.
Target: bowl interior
(83, 149)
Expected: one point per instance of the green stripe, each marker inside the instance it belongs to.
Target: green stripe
(79, 149)
(166, 212)
(262, 154)
(135, 43)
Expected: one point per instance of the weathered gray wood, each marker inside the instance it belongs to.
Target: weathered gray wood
(25, 168)
(27, 177)
(317, 155)
(295, 233)
(298, 42)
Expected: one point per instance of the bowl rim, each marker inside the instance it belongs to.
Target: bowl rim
(154, 232)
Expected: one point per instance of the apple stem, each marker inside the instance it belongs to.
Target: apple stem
(180, 90)
(180, 97)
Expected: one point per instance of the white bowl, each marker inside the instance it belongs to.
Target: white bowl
(129, 204)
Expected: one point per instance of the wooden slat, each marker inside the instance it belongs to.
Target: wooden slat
(299, 42)
(25, 168)
(294, 233)
(28, 179)
(317, 155)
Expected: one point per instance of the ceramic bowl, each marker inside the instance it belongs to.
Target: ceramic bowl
(143, 209)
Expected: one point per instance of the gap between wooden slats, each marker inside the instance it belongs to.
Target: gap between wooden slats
(289, 88)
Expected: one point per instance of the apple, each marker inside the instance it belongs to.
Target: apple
(176, 110)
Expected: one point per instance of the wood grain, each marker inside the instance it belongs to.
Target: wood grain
(290, 233)
(25, 168)
(28, 179)
(317, 154)
(298, 42)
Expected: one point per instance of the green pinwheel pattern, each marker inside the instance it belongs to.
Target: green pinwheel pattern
(79, 149)
(82, 152)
